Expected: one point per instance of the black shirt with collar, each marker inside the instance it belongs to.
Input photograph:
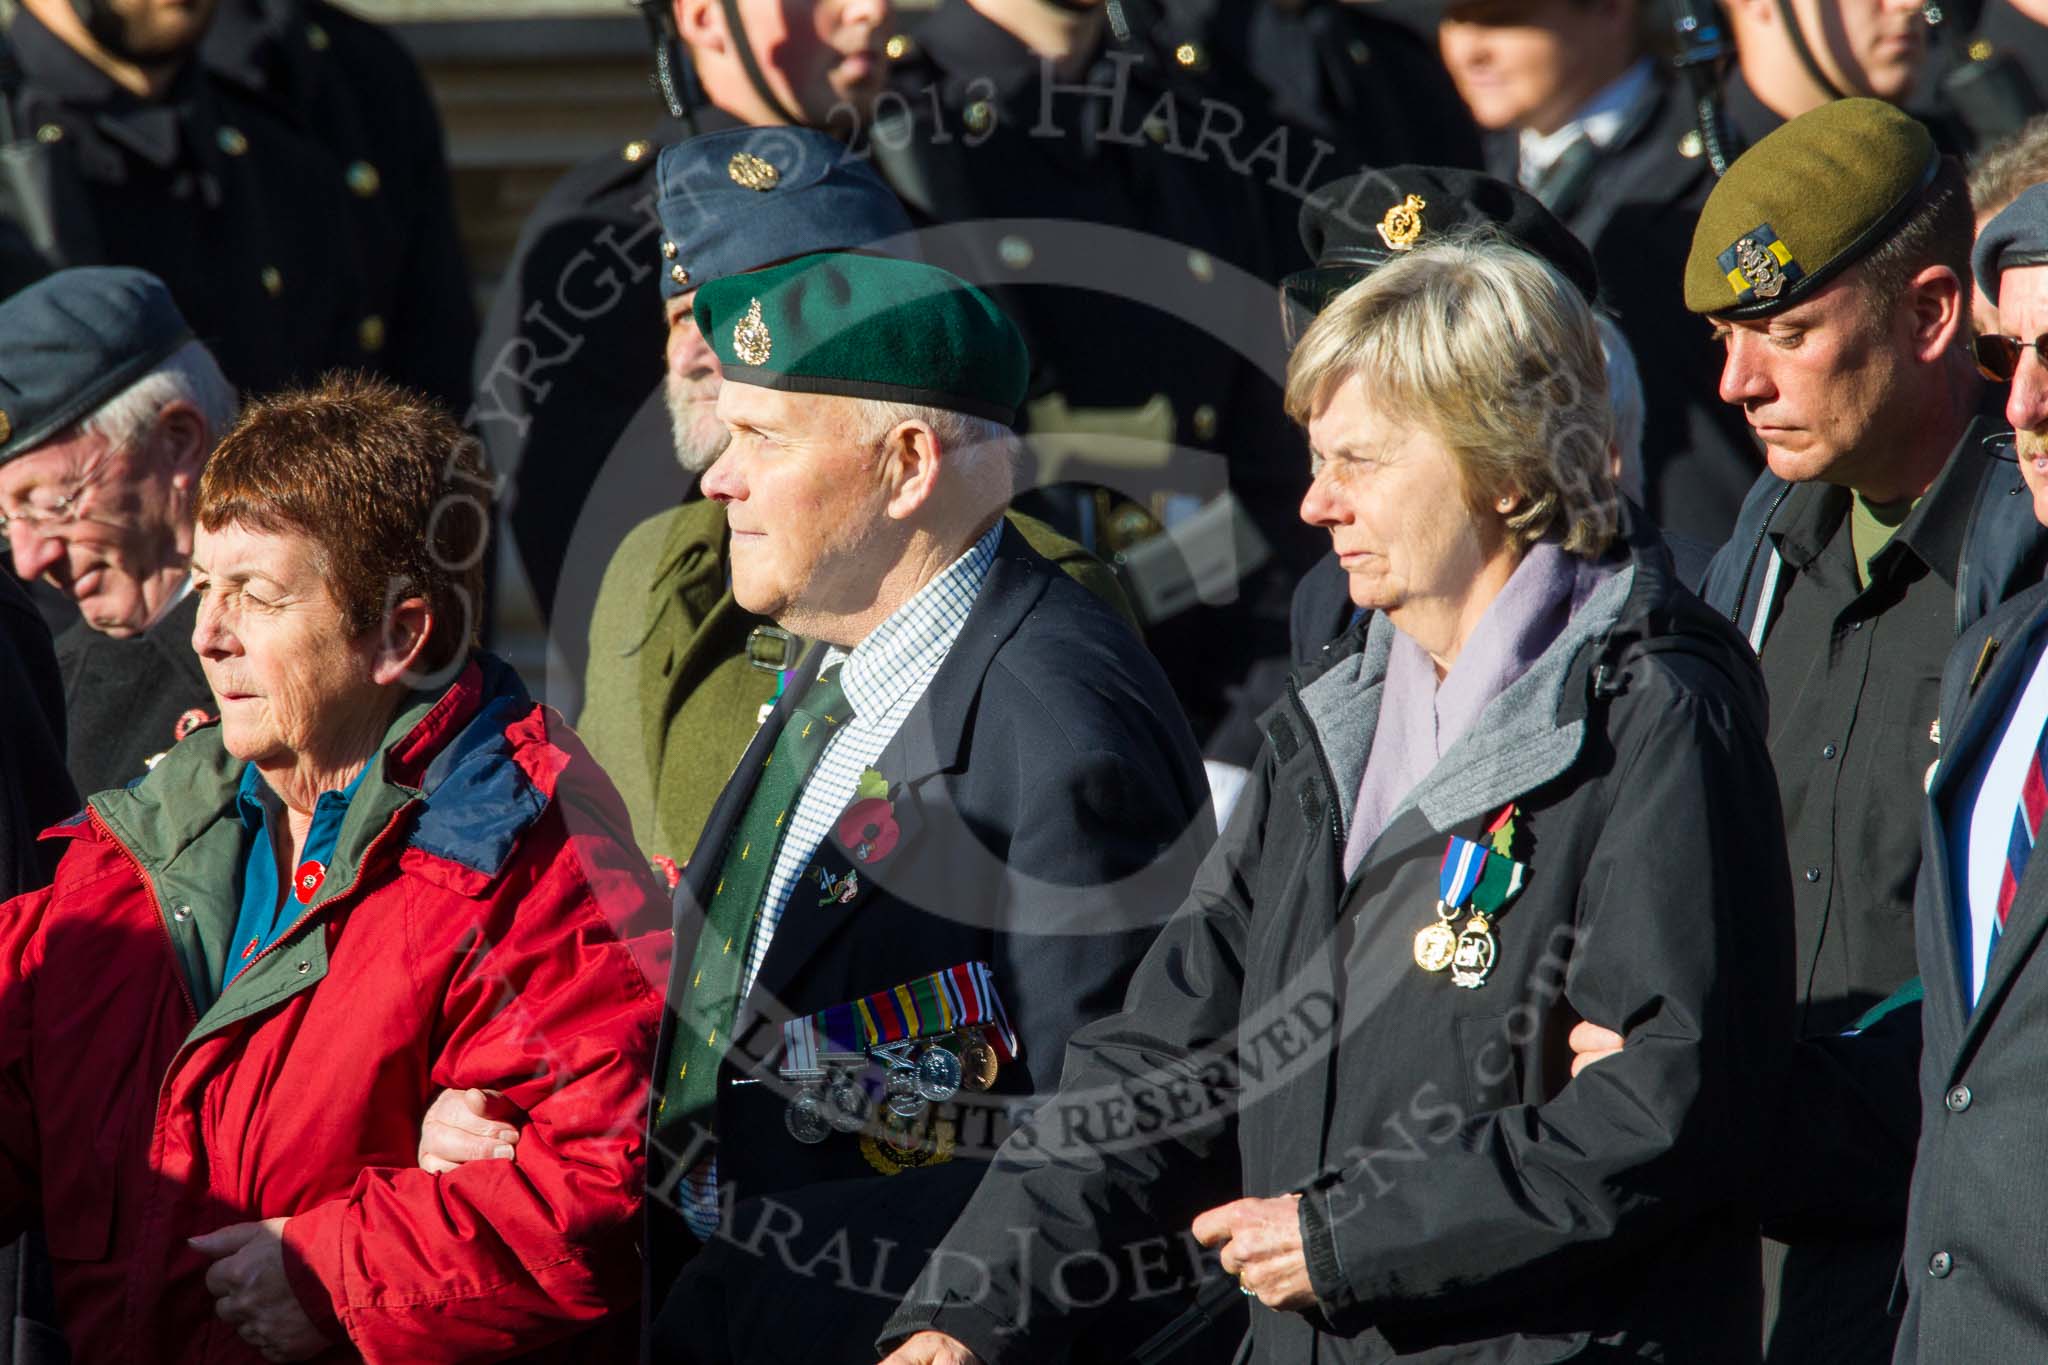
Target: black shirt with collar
(1854, 676)
(2004, 34)
(1749, 120)
(1368, 84)
(1980, 86)
(239, 215)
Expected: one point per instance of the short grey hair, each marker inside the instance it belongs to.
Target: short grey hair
(1625, 396)
(982, 450)
(190, 374)
(2014, 163)
(1488, 348)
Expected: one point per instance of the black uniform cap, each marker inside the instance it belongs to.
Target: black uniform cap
(1352, 227)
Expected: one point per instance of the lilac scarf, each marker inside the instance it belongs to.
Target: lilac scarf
(1421, 719)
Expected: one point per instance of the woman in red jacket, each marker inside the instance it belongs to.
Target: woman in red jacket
(385, 872)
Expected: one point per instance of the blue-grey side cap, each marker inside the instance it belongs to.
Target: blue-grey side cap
(742, 198)
(73, 340)
(2017, 236)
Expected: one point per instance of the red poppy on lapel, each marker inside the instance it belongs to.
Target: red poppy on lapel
(868, 829)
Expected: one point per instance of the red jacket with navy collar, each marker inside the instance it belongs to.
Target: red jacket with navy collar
(485, 921)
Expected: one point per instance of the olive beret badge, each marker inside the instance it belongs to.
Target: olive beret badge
(1401, 228)
(1759, 266)
(750, 339)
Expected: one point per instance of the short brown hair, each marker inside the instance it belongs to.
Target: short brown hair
(1940, 231)
(397, 496)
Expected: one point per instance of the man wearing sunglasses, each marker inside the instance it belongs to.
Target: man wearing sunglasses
(1998, 358)
(1973, 1291)
(108, 410)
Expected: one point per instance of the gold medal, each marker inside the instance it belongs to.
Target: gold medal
(977, 1065)
(1475, 954)
(1436, 946)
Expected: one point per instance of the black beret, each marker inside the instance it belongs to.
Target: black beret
(73, 340)
(2017, 236)
(1370, 218)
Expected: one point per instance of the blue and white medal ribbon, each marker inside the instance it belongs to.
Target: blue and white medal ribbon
(1457, 875)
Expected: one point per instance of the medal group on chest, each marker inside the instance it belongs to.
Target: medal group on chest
(1484, 878)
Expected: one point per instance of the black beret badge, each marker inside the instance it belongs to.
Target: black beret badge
(1759, 266)
(1401, 228)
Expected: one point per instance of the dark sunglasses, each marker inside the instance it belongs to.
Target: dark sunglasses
(1306, 293)
(1999, 357)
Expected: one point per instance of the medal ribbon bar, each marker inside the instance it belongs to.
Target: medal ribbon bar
(960, 997)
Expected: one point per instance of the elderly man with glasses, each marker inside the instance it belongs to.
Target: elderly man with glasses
(108, 410)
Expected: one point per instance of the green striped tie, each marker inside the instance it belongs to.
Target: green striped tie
(689, 1075)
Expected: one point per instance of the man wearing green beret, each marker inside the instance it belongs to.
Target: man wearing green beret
(1832, 261)
(679, 674)
(943, 852)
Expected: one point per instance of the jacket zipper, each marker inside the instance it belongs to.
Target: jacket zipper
(156, 1121)
(1986, 484)
(156, 1127)
(1749, 565)
(1315, 742)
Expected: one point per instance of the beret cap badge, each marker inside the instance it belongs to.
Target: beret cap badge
(1401, 228)
(6, 427)
(1759, 266)
(750, 339)
(1756, 266)
(751, 172)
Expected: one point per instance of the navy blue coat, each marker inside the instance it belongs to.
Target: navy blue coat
(1973, 1230)
(1052, 808)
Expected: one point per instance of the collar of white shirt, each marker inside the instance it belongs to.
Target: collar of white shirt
(1599, 121)
(903, 648)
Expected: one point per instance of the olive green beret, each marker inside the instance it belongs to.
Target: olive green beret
(867, 327)
(1805, 204)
